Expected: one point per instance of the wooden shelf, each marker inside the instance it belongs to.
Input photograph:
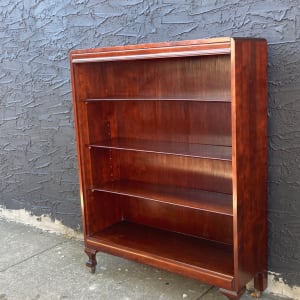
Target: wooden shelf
(167, 248)
(172, 148)
(191, 198)
(198, 99)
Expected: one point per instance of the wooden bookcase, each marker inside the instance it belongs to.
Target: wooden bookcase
(172, 152)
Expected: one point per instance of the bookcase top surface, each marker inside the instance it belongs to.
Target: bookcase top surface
(198, 47)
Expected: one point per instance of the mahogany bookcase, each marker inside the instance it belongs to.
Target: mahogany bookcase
(172, 152)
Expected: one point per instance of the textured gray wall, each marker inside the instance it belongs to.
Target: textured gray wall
(38, 167)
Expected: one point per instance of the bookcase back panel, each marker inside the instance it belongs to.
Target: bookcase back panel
(178, 219)
(206, 174)
(174, 121)
(186, 77)
(109, 209)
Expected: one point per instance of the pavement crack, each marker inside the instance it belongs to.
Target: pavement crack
(205, 292)
(32, 256)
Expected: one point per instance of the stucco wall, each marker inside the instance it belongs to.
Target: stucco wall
(38, 167)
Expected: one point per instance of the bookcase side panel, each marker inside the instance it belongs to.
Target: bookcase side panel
(82, 134)
(249, 134)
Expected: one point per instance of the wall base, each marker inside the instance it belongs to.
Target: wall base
(277, 287)
(43, 222)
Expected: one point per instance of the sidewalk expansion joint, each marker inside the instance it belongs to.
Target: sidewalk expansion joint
(32, 256)
(205, 292)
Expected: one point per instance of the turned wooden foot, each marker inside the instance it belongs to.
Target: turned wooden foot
(92, 262)
(260, 284)
(233, 294)
(261, 281)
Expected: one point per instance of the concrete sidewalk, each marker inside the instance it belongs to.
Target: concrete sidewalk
(37, 265)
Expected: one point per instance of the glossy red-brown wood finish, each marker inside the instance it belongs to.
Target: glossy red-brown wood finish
(171, 141)
(201, 259)
(249, 144)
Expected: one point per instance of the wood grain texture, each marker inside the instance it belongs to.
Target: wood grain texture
(188, 122)
(185, 197)
(218, 152)
(249, 138)
(172, 151)
(152, 50)
(197, 258)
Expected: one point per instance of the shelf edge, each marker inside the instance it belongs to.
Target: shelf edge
(94, 100)
(202, 156)
(127, 194)
(174, 54)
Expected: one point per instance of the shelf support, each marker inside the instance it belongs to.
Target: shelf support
(92, 262)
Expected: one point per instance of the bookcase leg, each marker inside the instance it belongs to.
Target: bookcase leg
(261, 281)
(233, 294)
(92, 262)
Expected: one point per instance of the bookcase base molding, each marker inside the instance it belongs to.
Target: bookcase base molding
(172, 153)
